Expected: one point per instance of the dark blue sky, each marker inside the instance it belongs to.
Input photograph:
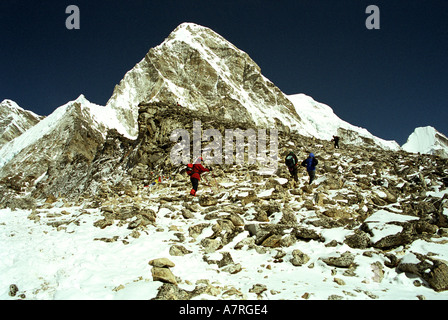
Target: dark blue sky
(388, 81)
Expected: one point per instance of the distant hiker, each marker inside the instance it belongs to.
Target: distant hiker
(291, 162)
(336, 141)
(310, 163)
(194, 171)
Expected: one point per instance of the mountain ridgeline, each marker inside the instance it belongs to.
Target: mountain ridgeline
(195, 73)
(14, 121)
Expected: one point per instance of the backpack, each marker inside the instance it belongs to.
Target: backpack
(290, 161)
(190, 169)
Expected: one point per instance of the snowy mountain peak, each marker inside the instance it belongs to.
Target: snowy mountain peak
(14, 120)
(427, 140)
(196, 36)
(200, 70)
(52, 136)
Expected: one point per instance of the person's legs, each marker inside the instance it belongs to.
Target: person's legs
(294, 174)
(195, 184)
(312, 175)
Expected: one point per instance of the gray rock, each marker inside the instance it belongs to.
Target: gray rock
(358, 240)
(299, 258)
(345, 260)
(178, 250)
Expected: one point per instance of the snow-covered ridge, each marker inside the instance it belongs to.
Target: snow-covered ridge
(14, 120)
(427, 140)
(102, 119)
(13, 106)
(321, 122)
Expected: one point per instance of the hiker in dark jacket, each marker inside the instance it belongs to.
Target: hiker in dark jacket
(336, 141)
(291, 162)
(195, 176)
(310, 163)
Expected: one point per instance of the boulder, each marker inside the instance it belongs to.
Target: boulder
(437, 277)
(178, 250)
(163, 275)
(299, 258)
(345, 260)
(272, 241)
(211, 245)
(207, 201)
(433, 271)
(358, 240)
(169, 291)
(161, 263)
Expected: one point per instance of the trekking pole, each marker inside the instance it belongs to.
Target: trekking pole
(216, 183)
(208, 184)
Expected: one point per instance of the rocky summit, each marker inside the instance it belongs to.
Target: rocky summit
(200, 70)
(93, 207)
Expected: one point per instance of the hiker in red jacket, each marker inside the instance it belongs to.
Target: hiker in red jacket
(195, 174)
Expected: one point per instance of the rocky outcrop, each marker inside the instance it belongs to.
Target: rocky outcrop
(433, 271)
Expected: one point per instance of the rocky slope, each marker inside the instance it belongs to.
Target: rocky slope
(14, 121)
(53, 156)
(372, 226)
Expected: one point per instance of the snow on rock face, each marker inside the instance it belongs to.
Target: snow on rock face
(321, 122)
(381, 224)
(59, 149)
(14, 120)
(200, 70)
(427, 140)
(57, 122)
